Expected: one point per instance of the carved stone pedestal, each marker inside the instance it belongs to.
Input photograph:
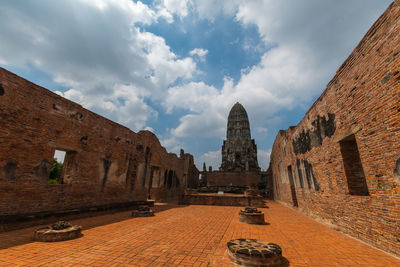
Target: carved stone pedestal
(59, 231)
(250, 252)
(251, 216)
(143, 211)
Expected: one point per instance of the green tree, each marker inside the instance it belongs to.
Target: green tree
(55, 172)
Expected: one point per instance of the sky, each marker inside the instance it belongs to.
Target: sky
(176, 67)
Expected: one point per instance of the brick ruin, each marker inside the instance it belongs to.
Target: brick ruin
(341, 163)
(239, 151)
(239, 168)
(105, 164)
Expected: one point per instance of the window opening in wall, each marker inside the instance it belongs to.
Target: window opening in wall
(308, 178)
(150, 182)
(237, 157)
(177, 183)
(106, 167)
(170, 177)
(158, 177)
(353, 168)
(131, 174)
(300, 174)
(133, 177)
(292, 187)
(173, 180)
(65, 173)
(56, 167)
(165, 177)
(147, 157)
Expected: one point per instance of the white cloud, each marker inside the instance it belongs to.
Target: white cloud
(282, 80)
(148, 128)
(204, 9)
(261, 130)
(263, 158)
(207, 124)
(210, 9)
(308, 41)
(59, 155)
(320, 33)
(196, 96)
(172, 144)
(199, 53)
(137, 11)
(208, 105)
(211, 158)
(171, 7)
(95, 49)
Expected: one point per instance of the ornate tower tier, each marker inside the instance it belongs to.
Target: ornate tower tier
(239, 151)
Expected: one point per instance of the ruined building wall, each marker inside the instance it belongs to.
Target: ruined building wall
(341, 163)
(105, 163)
(233, 178)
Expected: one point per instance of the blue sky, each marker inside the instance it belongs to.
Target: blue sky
(176, 67)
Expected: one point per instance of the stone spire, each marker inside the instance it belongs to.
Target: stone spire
(239, 151)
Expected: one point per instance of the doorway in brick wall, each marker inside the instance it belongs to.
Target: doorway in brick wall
(56, 167)
(353, 168)
(292, 187)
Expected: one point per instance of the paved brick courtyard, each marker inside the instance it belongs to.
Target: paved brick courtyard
(189, 236)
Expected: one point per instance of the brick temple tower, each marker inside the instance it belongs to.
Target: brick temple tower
(239, 151)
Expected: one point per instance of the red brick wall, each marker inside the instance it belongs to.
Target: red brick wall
(361, 103)
(220, 178)
(105, 163)
(223, 200)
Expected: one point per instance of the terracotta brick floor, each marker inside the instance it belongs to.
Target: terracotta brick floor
(189, 236)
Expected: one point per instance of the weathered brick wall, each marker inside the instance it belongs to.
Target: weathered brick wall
(269, 190)
(352, 131)
(105, 162)
(223, 200)
(221, 178)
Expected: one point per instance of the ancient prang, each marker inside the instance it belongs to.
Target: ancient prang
(239, 151)
(239, 170)
(239, 181)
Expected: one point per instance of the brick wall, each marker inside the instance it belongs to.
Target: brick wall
(341, 163)
(221, 178)
(223, 200)
(105, 162)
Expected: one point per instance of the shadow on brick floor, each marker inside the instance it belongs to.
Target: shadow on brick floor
(25, 235)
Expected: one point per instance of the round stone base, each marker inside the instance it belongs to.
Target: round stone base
(251, 192)
(250, 252)
(138, 213)
(47, 234)
(251, 216)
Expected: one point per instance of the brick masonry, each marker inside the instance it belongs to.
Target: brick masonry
(233, 178)
(189, 236)
(105, 163)
(341, 163)
(226, 199)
